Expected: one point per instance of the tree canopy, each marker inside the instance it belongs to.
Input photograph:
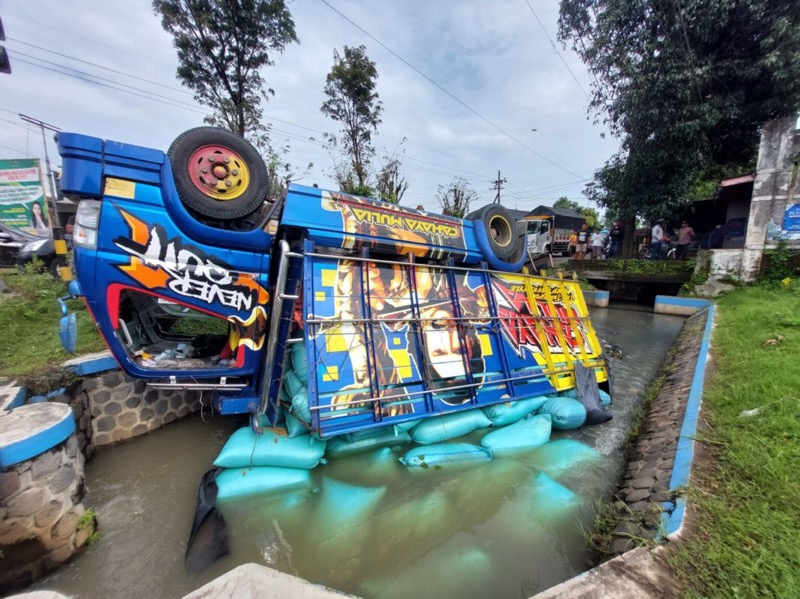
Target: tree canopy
(353, 102)
(685, 85)
(590, 214)
(222, 47)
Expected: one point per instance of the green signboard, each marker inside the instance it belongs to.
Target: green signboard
(22, 201)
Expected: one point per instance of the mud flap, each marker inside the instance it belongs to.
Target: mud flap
(589, 395)
(208, 540)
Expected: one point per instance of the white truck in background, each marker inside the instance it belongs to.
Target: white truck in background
(549, 230)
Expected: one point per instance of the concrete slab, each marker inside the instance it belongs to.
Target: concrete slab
(639, 573)
(91, 363)
(252, 581)
(11, 396)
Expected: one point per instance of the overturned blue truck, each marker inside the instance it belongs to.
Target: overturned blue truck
(382, 314)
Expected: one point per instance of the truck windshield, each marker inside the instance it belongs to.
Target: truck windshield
(534, 226)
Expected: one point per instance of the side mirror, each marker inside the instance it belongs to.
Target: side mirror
(68, 327)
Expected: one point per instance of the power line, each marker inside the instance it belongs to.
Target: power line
(553, 45)
(99, 66)
(456, 98)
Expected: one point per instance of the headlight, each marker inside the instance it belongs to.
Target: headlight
(34, 246)
(86, 220)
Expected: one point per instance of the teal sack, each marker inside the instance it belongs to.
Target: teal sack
(294, 426)
(343, 505)
(566, 413)
(510, 412)
(300, 405)
(292, 383)
(368, 439)
(530, 432)
(449, 426)
(445, 454)
(564, 456)
(237, 482)
(245, 448)
(300, 360)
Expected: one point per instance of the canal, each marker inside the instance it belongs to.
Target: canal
(508, 528)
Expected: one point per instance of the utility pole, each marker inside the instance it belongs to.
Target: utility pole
(498, 185)
(50, 177)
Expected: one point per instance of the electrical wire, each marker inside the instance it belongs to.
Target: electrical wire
(449, 93)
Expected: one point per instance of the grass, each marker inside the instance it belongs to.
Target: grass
(743, 540)
(29, 321)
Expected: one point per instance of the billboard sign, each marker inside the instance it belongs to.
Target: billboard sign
(22, 199)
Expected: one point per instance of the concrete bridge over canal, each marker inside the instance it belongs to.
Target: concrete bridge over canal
(634, 280)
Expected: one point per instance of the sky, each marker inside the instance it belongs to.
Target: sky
(473, 87)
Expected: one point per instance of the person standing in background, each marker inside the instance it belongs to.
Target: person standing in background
(582, 242)
(716, 238)
(616, 234)
(598, 239)
(656, 237)
(685, 237)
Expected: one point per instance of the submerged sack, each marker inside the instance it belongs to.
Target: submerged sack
(510, 412)
(444, 454)
(245, 448)
(449, 426)
(530, 432)
(566, 413)
(236, 482)
(364, 440)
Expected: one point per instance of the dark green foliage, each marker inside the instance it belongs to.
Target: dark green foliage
(779, 263)
(353, 102)
(223, 45)
(685, 85)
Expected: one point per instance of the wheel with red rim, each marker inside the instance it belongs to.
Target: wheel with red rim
(218, 174)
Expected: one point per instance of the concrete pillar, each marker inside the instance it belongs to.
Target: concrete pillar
(776, 155)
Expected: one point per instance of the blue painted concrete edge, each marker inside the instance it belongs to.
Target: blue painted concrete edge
(36, 444)
(673, 300)
(597, 294)
(94, 366)
(19, 399)
(682, 467)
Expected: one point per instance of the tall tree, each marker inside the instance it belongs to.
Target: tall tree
(455, 198)
(392, 183)
(353, 102)
(222, 47)
(685, 85)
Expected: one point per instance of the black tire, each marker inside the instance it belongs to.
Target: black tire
(500, 228)
(644, 253)
(218, 174)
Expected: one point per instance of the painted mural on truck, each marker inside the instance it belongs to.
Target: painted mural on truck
(376, 225)
(387, 334)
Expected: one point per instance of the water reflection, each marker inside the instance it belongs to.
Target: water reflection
(507, 528)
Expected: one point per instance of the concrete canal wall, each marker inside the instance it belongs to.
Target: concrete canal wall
(44, 442)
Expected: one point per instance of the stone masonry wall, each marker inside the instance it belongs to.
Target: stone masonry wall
(119, 409)
(41, 509)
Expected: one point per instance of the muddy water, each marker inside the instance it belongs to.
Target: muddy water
(499, 529)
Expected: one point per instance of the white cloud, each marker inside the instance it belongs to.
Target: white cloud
(493, 56)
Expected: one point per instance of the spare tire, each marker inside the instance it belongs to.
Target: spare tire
(218, 174)
(500, 228)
